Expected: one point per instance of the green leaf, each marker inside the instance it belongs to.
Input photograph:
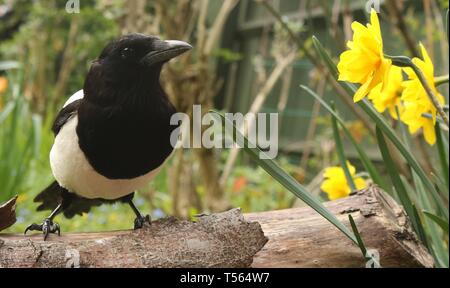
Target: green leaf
(443, 156)
(421, 229)
(325, 57)
(434, 237)
(441, 185)
(438, 245)
(37, 124)
(402, 193)
(358, 236)
(361, 244)
(439, 221)
(368, 165)
(282, 177)
(6, 111)
(412, 161)
(341, 154)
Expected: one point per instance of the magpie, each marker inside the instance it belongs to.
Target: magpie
(111, 137)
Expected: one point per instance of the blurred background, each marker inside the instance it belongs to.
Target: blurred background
(242, 61)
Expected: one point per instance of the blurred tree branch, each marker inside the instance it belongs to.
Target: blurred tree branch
(12, 17)
(395, 9)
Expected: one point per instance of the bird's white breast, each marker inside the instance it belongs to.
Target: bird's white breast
(73, 171)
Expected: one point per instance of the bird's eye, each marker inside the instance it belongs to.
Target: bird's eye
(126, 52)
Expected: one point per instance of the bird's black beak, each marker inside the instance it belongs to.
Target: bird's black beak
(164, 51)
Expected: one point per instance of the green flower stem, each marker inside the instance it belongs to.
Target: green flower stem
(430, 93)
(438, 81)
(403, 61)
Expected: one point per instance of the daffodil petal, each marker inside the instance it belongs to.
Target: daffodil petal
(362, 91)
(429, 132)
(360, 183)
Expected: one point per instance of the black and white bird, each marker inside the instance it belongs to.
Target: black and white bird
(112, 137)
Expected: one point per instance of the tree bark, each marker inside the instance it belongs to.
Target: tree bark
(298, 237)
(219, 240)
(8, 213)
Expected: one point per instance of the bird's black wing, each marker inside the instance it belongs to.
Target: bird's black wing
(65, 114)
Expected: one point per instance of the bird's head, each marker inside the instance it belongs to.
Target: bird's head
(133, 59)
(139, 50)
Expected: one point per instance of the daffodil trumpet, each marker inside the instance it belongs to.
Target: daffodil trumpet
(403, 61)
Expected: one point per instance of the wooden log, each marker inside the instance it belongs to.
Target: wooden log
(218, 240)
(298, 237)
(8, 213)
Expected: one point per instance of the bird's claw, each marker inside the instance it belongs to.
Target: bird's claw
(47, 227)
(140, 221)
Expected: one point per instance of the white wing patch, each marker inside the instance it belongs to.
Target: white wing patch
(77, 96)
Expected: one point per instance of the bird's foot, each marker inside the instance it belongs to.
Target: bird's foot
(47, 227)
(140, 221)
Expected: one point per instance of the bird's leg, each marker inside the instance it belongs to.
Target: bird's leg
(47, 226)
(140, 220)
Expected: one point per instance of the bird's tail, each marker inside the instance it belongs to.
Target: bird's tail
(73, 204)
(50, 197)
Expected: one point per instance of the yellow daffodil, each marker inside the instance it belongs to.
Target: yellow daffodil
(358, 130)
(3, 87)
(335, 184)
(415, 99)
(365, 63)
(21, 198)
(389, 97)
(3, 84)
